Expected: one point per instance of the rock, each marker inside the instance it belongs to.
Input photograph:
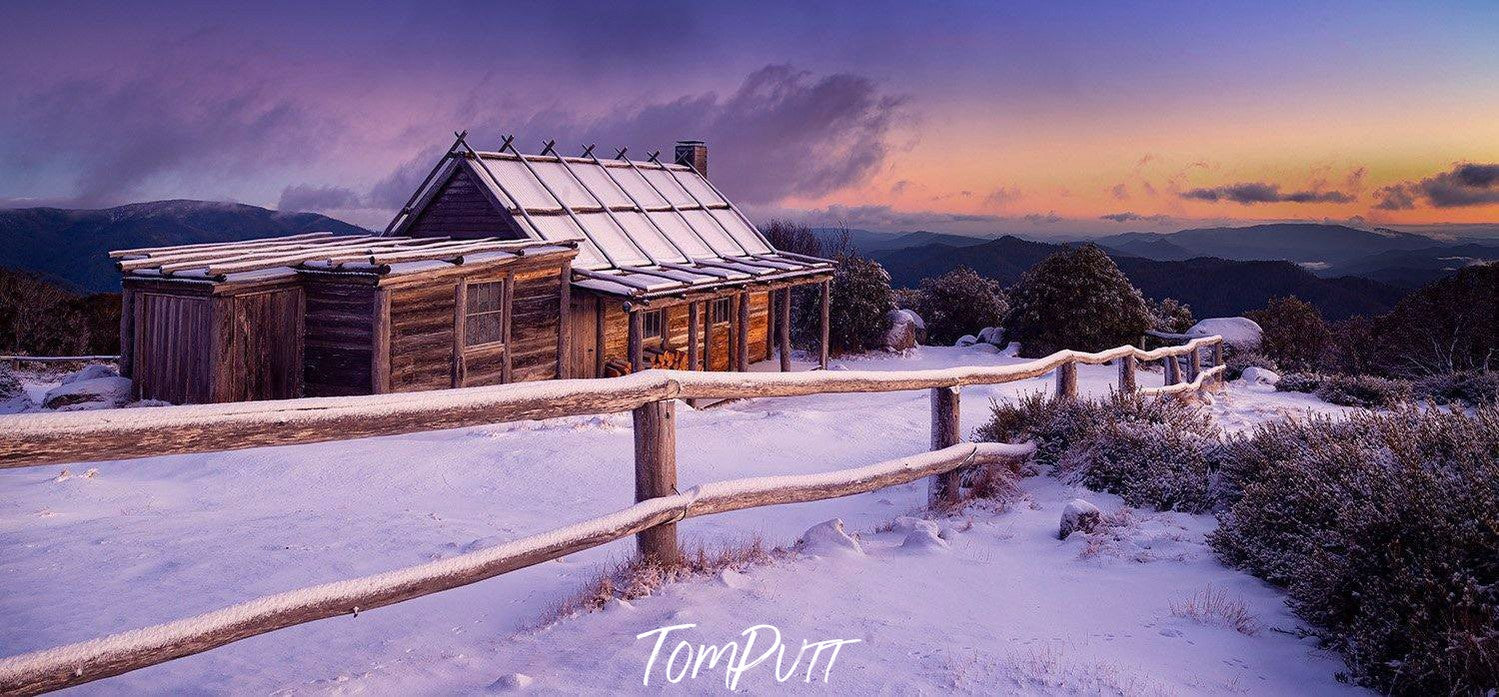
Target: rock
(906, 330)
(906, 524)
(924, 541)
(96, 393)
(1010, 350)
(1241, 333)
(829, 539)
(992, 335)
(511, 683)
(91, 372)
(1255, 375)
(1079, 515)
(966, 340)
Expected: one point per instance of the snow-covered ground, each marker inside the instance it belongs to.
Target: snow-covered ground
(1007, 608)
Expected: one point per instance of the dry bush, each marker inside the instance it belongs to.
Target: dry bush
(1365, 391)
(1214, 606)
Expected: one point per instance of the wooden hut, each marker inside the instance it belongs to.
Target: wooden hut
(319, 315)
(669, 272)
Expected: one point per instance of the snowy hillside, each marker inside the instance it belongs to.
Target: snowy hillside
(994, 603)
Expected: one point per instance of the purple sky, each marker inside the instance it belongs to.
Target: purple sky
(974, 117)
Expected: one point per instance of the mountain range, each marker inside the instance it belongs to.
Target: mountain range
(72, 246)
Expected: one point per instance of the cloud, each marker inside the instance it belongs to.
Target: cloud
(1466, 184)
(1130, 216)
(877, 217)
(1248, 193)
(306, 197)
(1120, 191)
(1049, 218)
(1001, 196)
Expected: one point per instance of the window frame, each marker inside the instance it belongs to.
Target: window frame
(649, 317)
(469, 314)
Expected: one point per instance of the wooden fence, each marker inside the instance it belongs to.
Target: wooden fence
(33, 439)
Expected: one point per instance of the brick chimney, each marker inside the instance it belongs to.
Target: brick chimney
(693, 153)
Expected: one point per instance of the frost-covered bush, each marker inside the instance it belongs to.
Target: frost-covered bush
(1294, 333)
(1237, 361)
(1169, 315)
(1468, 389)
(9, 385)
(1365, 391)
(959, 302)
(1056, 425)
(860, 297)
(1384, 530)
(1300, 382)
(1075, 299)
(1443, 327)
(1147, 464)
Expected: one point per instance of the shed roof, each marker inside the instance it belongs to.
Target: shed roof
(324, 251)
(643, 228)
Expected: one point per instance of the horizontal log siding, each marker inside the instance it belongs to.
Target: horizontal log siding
(534, 324)
(421, 336)
(340, 339)
(461, 210)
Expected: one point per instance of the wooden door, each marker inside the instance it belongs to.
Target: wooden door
(264, 359)
(481, 344)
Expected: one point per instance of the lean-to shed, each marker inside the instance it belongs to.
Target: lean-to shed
(669, 272)
(319, 315)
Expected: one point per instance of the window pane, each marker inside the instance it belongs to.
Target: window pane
(484, 297)
(482, 329)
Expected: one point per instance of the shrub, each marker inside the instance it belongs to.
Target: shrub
(1365, 391)
(1384, 530)
(1146, 464)
(1299, 382)
(1075, 299)
(793, 237)
(1168, 315)
(1294, 334)
(860, 297)
(1460, 389)
(1056, 425)
(1444, 327)
(40, 318)
(1237, 361)
(9, 385)
(959, 302)
(1354, 349)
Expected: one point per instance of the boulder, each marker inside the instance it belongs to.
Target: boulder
(1241, 333)
(924, 541)
(91, 372)
(511, 683)
(829, 539)
(1255, 375)
(992, 335)
(966, 340)
(96, 393)
(1079, 515)
(905, 330)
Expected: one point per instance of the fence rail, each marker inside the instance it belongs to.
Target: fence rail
(34, 439)
(57, 359)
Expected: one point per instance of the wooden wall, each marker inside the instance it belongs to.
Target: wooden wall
(173, 338)
(535, 324)
(340, 339)
(583, 326)
(460, 209)
(260, 352)
(422, 335)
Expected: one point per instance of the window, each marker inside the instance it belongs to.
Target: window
(720, 309)
(484, 321)
(653, 324)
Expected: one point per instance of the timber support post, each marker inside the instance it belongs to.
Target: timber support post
(1127, 382)
(944, 488)
(1194, 365)
(656, 474)
(783, 329)
(1173, 371)
(827, 297)
(1067, 380)
(636, 348)
(741, 337)
(126, 361)
(694, 340)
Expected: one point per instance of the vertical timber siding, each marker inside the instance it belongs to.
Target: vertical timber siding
(173, 340)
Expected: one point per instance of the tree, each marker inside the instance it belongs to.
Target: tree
(1295, 335)
(1168, 315)
(1447, 326)
(1075, 299)
(796, 238)
(860, 296)
(959, 302)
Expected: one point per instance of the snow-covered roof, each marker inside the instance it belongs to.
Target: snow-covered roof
(641, 227)
(325, 251)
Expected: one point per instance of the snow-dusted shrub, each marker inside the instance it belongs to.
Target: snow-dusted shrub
(1469, 389)
(1365, 391)
(1443, 327)
(1147, 464)
(959, 302)
(1384, 530)
(1075, 299)
(1294, 333)
(860, 297)
(1169, 315)
(10, 386)
(1237, 361)
(1300, 382)
(1056, 425)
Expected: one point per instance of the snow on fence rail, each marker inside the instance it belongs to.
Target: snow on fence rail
(651, 395)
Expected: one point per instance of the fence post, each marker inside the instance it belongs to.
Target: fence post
(1127, 375)
(822, 348)
(1194, 365)
(1067, 380)
(945, 432)
(1173, 371)
(656, 473)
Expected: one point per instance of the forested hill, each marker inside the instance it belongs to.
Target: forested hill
(73, 245)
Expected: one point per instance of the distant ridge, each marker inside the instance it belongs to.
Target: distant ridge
(73, 245)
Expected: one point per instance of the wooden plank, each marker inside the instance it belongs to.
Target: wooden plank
(656, 473)
(943, 489)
